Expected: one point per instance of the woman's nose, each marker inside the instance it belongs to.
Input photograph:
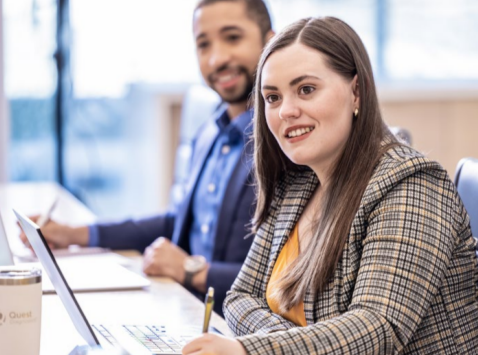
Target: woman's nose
(289, 109)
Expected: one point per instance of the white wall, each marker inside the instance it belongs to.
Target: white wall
(443, 122)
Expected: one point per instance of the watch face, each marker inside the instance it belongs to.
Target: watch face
(195, 263)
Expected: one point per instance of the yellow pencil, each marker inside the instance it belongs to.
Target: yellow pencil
(209, 303)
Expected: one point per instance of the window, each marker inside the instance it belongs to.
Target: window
(431, 40)
(129, 56)
(30, 81)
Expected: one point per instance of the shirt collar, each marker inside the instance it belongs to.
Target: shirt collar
(237, 128)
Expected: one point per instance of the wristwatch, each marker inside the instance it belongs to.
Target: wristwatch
(192, 265)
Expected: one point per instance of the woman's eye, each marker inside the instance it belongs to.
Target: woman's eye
(272, 98)
(304, 90)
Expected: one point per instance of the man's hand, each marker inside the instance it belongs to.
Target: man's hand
(164, 258)
(212, 344)
(60, 236)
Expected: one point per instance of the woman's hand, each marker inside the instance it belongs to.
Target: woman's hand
(212, 344)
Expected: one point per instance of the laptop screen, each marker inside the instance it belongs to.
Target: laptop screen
(43, 252)
(6, 257)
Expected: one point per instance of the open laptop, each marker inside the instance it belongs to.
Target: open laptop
(137, 339)
(6, 256)
(85, 273)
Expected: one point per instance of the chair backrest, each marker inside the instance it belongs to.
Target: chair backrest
(466, 181)
(402, 134)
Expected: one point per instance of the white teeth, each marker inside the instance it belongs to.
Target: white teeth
(224, 78)
(299, 132)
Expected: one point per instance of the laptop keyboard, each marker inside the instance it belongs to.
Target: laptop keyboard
(154, 338)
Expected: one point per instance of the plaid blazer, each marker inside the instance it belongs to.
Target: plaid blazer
(406, 282)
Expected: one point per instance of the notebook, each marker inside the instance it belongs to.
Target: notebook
(99, 272)
(136, 339)
(86, 274)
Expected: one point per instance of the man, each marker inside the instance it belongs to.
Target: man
(202, 243)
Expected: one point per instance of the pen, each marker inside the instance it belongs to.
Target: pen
(45, 217)
(209, 303)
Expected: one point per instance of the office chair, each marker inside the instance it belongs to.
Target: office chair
(466, 181)
(402, 134)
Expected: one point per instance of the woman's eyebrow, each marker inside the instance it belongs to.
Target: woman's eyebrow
(302, 78)
(269, 87)
(292, 83)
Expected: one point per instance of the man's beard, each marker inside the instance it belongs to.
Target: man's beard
(244, 94)
(234, 98)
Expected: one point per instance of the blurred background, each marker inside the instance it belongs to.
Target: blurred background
(95, 93)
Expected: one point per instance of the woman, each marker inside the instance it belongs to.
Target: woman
(362, 244)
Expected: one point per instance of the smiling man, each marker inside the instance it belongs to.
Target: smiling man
(202, 242)
(229, 37)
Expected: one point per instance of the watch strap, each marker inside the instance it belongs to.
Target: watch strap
(188, 279)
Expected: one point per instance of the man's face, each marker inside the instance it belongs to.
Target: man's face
(228, 46)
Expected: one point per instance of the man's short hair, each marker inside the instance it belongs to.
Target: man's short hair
(256, 10)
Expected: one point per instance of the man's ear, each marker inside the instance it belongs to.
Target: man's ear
(356, 91)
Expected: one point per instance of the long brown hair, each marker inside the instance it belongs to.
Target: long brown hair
(346, 55)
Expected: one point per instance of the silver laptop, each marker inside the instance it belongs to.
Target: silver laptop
(6, 257)
(136, 339)
(100, 272)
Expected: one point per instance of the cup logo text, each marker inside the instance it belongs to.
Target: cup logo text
(14, 317)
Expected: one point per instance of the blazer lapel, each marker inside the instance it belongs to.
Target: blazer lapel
(237, 184)
(239, 180)
(299, 189)
(202, 148)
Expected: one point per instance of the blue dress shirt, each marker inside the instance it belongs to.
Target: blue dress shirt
(213, 181)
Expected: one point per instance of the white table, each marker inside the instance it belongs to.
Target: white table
(164, 302)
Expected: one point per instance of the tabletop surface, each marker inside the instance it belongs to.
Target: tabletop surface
(164, 302)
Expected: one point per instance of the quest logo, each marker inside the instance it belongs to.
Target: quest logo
(2, 319)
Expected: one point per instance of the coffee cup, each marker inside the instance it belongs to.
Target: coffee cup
(20, 310)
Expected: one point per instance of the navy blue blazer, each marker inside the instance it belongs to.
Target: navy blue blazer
(231, 245)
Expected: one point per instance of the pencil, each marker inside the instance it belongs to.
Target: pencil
(209, 303)
(45, 217)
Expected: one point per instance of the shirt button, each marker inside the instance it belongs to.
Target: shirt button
(204, 228)
(225, 149)
(211, 188)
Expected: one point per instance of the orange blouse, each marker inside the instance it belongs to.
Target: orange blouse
(288, 254)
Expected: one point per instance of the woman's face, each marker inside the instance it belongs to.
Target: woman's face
(309, 108)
